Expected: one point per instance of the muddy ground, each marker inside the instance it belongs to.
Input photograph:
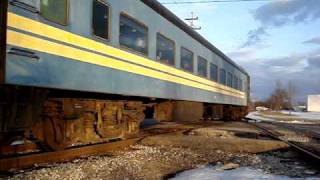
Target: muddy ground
(161, 156)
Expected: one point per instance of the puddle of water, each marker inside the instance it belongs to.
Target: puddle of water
(251, 135)
(243, 173)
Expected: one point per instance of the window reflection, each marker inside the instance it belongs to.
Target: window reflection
(235, 82)
(100, 22)
(229, 79)
(133, 35)
(202, 66)
(55, 11)
(214, 72)
(186, 60)
(222, 76)
(165, 50)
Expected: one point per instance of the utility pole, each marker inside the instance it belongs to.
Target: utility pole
(191, 21)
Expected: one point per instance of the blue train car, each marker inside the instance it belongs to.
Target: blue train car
(86, 71)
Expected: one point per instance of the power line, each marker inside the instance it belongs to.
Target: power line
(212, 1)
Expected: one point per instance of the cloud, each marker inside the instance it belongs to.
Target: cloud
(314, 62)
(315, 40)
(302, 69)
(241, 55)
(289, 64)
(279, 13)
(287, 61)
(255, 37)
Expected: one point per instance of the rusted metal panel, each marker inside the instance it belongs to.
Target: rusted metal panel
(70, 122)
(234, 113)
(217, 111)
(3, 42)
(164, 111)
(188, 111)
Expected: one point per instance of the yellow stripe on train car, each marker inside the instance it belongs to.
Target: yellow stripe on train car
(37, 44)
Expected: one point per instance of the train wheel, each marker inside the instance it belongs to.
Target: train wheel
(54, 134)
(50, 130)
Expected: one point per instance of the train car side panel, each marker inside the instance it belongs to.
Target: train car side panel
(47, 71)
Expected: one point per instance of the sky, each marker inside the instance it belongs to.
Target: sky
(274, 40)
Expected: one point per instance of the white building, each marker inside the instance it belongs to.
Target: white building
(314, 103)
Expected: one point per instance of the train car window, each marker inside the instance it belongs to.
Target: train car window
(240, 85)
(222, 76)
(213, 72)
(229, 79)
(165, 50)
(235, 82)
(202, 67)
(55, 11)
(186, 59)
(100, 19)
(133, 35)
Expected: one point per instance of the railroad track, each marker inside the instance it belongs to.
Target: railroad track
(40, 159)
(315, 153)
(303, 129)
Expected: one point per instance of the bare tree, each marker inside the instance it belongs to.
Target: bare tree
(282, 97)
(291, 92)
(278, 97)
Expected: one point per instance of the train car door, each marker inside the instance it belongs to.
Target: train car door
(3, 41)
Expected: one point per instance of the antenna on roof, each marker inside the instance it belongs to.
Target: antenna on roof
(191, 21)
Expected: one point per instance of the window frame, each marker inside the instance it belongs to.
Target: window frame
(174, 49)
(139, 23)
(235, 83)
(202, 58)
(231, 83)
(182, 47)
(241, 84)
(225, 76)
(67, 13)
(217, 72)
(109, 21)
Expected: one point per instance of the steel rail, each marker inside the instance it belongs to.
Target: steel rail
(12, 164)
(302, 130)
(28, 161)
(275, 135)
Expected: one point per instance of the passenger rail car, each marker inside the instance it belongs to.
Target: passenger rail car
(88, 71)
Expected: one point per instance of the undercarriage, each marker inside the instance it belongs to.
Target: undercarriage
(71, 122)
(56, 120)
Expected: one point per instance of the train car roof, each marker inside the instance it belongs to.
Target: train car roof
(163, 11)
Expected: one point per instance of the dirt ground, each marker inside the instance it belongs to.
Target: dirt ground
(162, 156)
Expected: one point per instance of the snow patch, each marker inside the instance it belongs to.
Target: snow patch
(298, 117)
(304, 115)
(245, 173)
(255, 115)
